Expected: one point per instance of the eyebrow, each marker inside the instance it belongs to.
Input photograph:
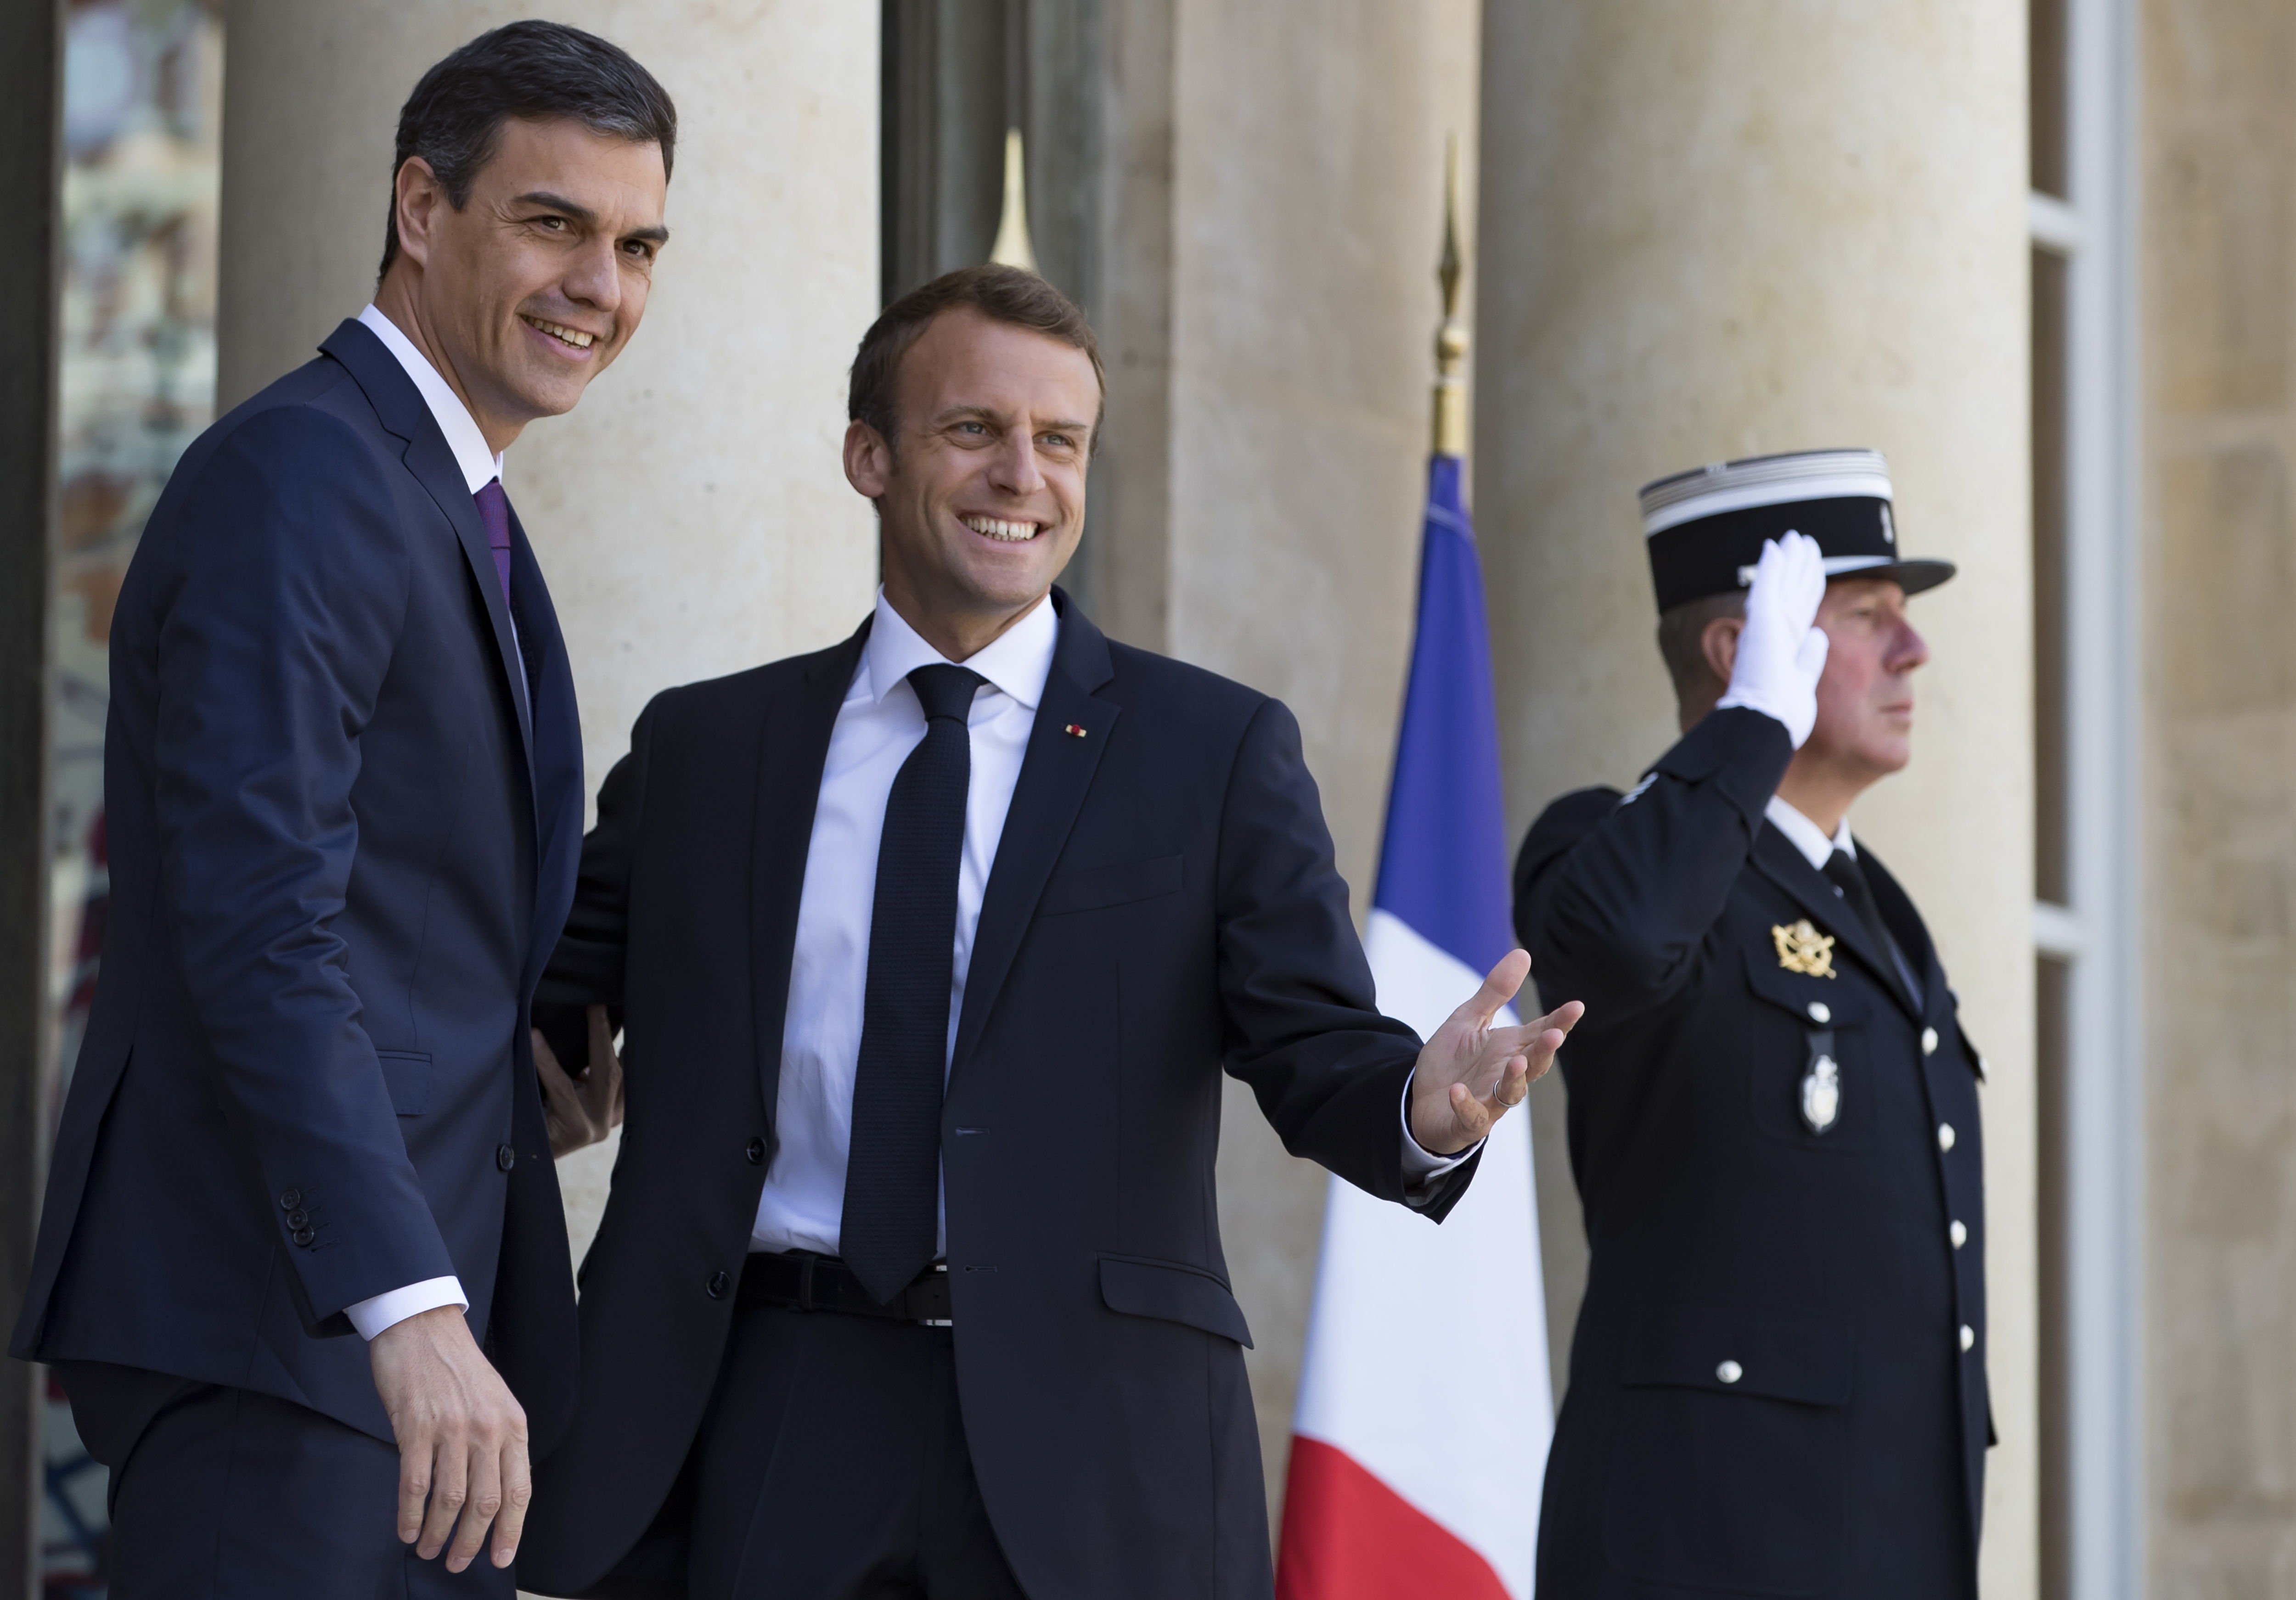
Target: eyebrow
(656, 234)
(956, 413)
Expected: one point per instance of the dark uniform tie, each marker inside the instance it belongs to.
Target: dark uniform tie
(892, 1172)
(1849, 879)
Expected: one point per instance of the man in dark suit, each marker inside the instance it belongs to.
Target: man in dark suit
(1777, 1385)
(910, 1282)
(303, 1192)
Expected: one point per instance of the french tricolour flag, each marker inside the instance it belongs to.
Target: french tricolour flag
(1425, 1411)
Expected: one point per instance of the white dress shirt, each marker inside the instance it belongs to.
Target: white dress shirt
(1807, 836)
(880, 722)
(480, 466)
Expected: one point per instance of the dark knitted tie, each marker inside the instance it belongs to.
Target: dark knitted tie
(1849, 879)
(493, 510)
(892, 1173)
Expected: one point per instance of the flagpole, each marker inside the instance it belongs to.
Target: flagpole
(1451, 338)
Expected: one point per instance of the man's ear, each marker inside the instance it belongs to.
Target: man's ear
(1720, 644)
(417, 198)
(868, 460)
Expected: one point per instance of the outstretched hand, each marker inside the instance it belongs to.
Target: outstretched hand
(1470, 1073)
(581, 1110)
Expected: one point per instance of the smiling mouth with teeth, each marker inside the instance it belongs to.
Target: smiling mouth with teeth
(1001, 531)
(574, 337)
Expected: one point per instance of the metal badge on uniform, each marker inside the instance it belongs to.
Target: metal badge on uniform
(1803, 949)
(1821, 1094)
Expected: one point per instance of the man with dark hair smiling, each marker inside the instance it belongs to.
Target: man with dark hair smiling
(302, 1266)
(930, 949)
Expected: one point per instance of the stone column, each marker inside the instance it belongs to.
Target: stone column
(691, 514)
(1306, 172)
(1719, 231)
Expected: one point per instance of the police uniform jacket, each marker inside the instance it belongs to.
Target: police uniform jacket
(1777, 1384)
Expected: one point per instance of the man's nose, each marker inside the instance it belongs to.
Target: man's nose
(1907, 649)
(594, 278)
(1014, 470)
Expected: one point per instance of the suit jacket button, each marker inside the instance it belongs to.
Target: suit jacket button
(303, 1236)
(289, 1199)
(1729, 1372)
(298, 1218)
(505, 1157)
(719, 1284)
(756, 1153)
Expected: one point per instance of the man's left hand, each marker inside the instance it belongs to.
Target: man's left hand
(1470, 1073)
(581, 1110)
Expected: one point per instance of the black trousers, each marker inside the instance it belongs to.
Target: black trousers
(224, 1494)
(832, 1466)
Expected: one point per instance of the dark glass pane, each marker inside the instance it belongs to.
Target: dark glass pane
(2052, 986)
(2051, 863)
(2047, 72)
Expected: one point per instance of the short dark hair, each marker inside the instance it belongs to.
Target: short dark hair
(1006, 294)
(1682, 642)
(533, 70)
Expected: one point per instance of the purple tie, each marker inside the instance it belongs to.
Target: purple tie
(493, 510)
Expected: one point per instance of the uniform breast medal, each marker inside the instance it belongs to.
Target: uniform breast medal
(1821, 1093)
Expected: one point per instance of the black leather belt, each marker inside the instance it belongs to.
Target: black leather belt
(806, 1281)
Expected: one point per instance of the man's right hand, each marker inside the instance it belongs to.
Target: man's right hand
(1780, 650)
(462, 1439)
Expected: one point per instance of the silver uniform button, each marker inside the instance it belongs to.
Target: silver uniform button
(1730, 1372)
(1958, 1235)
(1820, 1013)
(1929, 1041)
(1968, 1337)
(1944, 1136)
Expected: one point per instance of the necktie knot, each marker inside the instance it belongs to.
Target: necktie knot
(945, 691)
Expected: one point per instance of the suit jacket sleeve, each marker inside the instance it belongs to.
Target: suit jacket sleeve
(1614, 898)
(274, 641)
(1302, 1029)
(587, 969)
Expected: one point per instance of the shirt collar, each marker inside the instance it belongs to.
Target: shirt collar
(1807, 836)
(1018, 662)
(480, 466)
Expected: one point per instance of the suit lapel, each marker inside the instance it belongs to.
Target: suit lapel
(1054, 776)
(399, 407)
(1779, 861)
(793, 750)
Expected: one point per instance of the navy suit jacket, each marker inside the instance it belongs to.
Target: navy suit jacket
(1163, 905)
(343, 843)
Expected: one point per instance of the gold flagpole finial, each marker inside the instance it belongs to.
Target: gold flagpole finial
(1012, 248)
(1451, 337)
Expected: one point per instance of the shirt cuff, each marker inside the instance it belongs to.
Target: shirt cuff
(1421, 1164)
(371, 1316)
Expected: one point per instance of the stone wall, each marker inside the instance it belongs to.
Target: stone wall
(2218, 582)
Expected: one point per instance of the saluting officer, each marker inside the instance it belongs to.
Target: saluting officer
(1777, 1385)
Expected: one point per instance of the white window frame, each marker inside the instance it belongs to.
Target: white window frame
(2097, 934)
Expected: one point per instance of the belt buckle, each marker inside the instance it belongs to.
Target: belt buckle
(938, 1322)
(805, 1281)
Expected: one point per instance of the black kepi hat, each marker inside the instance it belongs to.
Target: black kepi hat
(1706, 528)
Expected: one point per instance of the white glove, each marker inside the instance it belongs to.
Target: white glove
(1780, 650)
